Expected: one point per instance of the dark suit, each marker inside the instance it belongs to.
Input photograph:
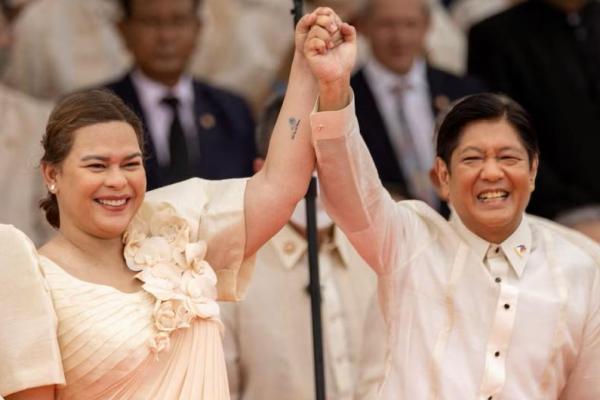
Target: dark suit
(443, 87)
(225, 133)
(550, 63)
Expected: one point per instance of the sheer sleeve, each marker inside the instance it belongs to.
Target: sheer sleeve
(215, 213)
(29, 352)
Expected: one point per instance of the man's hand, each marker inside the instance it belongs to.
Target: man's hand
(322, 16)
(330, 49)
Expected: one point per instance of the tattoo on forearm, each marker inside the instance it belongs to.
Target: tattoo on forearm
(293, 123)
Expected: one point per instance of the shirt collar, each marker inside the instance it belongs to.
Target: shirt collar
(290, 246)
(382, 76)
(152, 92)
(516, 248)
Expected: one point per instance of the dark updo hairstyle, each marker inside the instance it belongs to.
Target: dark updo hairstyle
(74, 112)
(484, 107)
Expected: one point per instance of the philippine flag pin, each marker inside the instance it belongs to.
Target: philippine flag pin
(520, 249)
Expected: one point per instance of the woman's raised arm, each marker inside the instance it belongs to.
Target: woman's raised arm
(272, 193)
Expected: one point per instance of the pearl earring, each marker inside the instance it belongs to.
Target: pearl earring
(52, 188)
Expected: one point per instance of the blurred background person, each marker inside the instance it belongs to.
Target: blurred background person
(584, 219)
(465, 13)
(398, 94)
(192, 128)
(268, 339)
(64, 45)
(546, 55)
(22, 125)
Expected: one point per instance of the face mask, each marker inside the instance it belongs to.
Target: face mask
(298, 217)
(4, 54)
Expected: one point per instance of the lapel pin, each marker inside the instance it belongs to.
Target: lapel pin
(207, 121)
(289, 247)
(520, 249)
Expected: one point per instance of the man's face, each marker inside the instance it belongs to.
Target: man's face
(396, 30)
(162, 34)
(489, 180)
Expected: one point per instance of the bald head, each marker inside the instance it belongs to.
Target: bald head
(396, 30)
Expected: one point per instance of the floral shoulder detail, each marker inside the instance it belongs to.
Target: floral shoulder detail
(173, 269)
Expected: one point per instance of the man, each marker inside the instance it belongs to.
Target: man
(583, 219)
(268, 343)
(545, 54)
(398, 94)
(492, 304)
(193, 129)
(23, 121)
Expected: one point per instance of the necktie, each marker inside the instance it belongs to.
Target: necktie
(179, 168)
(415, 173)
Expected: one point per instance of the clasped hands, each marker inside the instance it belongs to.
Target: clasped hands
(329, 47)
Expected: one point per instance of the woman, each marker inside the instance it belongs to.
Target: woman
(120, 303)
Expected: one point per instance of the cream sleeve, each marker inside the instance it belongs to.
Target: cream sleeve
(215, 212)
(29, 352)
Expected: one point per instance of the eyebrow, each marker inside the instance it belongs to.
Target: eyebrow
(470, 148)
(104, 158)
(477, 149)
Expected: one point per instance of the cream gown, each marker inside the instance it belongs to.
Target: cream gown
(163, 342)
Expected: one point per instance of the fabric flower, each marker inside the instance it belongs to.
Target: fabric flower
(200, 294)
(165, 318)
(161, 280)
(160, 342)
(172, 268)
(133, 242)
(168, 225)
(183, 315)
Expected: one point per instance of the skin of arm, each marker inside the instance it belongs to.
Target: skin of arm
(274, 191)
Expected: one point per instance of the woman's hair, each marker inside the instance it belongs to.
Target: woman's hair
(74, 112)
(484, 107)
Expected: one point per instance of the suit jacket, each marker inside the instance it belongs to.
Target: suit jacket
(443, 87)
(550, 64)
(227, 147)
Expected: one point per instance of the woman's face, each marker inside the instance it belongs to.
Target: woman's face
(101, 183)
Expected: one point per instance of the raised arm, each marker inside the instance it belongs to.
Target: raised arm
(272, 193)
(351, 190)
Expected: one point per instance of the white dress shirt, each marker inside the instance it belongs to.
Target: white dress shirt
(159, 116)
(417, 105)
(268, 341)
(465, 321)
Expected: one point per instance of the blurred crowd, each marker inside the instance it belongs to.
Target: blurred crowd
(207, 76)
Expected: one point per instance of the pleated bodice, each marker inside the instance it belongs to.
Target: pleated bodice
(103, 335)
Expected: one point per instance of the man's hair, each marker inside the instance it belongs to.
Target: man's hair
(484, 107)
(127, 7)
(367, 6)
